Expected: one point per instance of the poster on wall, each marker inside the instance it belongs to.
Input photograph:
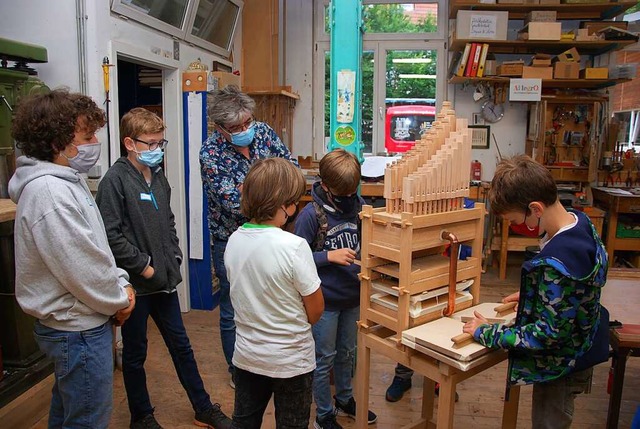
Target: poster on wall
(346, 96)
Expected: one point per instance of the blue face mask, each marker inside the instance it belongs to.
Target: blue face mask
(151, 158)
(244, 138)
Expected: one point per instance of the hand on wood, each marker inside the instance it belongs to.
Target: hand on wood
(514, 297)
(471, 326)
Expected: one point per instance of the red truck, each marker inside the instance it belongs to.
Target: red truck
(405, 124)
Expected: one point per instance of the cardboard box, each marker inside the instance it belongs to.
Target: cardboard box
(510, 69)
(594, 73)
(479, 25)
(595, 26)
(541, 60)
(226, 79)
(582, 35)
(570, 55)
(531, 1)
(549, 1)
(537, 72)
(566, 70)
(541, 16)
(541, 31)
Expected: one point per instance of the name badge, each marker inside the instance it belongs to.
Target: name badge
(145, 197)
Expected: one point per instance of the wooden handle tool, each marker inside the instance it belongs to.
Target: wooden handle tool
(462, 340)
(505, 308)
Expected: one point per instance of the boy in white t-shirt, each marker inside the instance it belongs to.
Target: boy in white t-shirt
(275, 291)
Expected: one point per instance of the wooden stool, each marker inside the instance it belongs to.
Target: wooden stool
(625, 342)
(509, 243)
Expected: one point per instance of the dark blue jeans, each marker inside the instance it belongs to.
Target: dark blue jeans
(227, 325)
(164, 309)
(82, 394)
(291, 397)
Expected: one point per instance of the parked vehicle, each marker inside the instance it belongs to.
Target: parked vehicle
(406, 124)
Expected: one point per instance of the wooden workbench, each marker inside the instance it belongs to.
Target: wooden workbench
(7, 210)
(615, 203)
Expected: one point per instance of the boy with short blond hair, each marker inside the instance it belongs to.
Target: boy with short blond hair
(275, 291)
(134, 199)
(557, 336)
(330, 226)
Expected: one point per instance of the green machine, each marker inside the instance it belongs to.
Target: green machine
(21, 358)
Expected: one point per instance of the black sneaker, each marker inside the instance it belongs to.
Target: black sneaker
(349, 410)
(147, 422)
(327, 423)
(396, 390)
(213, 418)
(437, 392)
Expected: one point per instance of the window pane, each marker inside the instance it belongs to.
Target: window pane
(215, 22)
(171, 12)
(401, 18)
(410, 96)
(367, 100)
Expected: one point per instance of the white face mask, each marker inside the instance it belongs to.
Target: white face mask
(88, 155)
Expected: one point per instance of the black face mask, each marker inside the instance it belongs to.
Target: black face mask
(290, 219)
(345, 204)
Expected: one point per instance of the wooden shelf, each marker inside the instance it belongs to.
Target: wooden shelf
(546, 83)
(276, 91)
(595, 11)
(550, 47)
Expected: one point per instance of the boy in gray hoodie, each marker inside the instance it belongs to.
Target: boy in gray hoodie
(134, 198)
(66, 275)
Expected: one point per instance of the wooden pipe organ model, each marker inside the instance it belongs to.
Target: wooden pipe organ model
(407, 286)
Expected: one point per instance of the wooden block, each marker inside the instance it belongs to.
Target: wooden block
(194, 81)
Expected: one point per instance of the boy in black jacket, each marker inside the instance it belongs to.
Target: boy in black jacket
(134, 198)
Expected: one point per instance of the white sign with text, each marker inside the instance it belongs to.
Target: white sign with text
(483, 26)
(525, 89)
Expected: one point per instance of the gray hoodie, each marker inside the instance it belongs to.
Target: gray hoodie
(66, 275)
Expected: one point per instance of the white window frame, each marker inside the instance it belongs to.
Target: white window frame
(183, 32)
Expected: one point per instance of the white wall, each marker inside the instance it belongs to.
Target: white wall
(299, 71)
(510, 132)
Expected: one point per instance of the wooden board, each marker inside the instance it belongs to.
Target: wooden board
(464, 366)
(437, 335)
(487, 310)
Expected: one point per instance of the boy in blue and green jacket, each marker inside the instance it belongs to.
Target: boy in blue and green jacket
(559, 311)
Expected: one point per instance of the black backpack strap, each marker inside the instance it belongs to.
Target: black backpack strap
(321, 235)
